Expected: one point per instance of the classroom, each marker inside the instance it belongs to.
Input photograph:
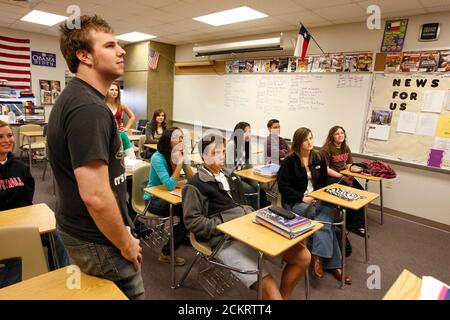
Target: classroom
(250, 149)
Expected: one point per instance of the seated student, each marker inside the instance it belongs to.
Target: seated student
(214, 195)
(165, 169)
(17, 190)
(302, 172)
(153, 131)
(276, 147)
(238, 155)
(338, 156)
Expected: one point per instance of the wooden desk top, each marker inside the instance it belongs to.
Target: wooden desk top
(406, 287)
(355, 205)
(39, 215)
(358, 175)
(249, 174)
(259, 237)
(53, 286)
(162, 193)
(135, 137)
(153, 146)
(33, 133)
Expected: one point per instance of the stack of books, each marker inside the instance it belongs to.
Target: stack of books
(289, 228)
(132, 164)
(176, 192)
(269, 170)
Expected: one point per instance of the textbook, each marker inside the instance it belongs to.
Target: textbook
(410, 62)
(268, 170)
(444, 61)
(132, 164)
(429, 61)
(393, 62)
(289, 228)
(281, 222)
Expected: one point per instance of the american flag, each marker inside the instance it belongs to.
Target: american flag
(153, 59)
(15, 62)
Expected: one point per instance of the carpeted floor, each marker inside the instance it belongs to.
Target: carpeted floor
(398, 244)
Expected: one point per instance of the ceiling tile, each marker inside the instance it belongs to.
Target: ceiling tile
(341, 12)
(439, 9)
(434, 3)
(390, 6)
(273, 8)
(316, 4)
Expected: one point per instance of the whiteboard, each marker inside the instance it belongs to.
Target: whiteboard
(314, 100)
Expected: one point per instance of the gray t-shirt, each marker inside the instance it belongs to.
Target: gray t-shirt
(81, 129)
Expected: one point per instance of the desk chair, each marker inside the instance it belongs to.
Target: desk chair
(141, 125)
(140, 147)
(24, 242)
(159, 230)
(37, 143)
(215, 280)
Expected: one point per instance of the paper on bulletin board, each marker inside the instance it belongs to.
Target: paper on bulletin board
(443, 127)
(444, 145)
(379, 132)
(407, 122)
(427, 124)
(433, 101)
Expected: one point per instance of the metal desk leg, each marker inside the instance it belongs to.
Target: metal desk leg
(260, 273)
(381, 201)
(344, 231)
(366, 235)
(53, 249)
(172, 247)
(29, 152)
(258, 196)
(307, 284)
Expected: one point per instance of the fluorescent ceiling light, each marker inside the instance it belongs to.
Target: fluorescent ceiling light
(135, 36)
(231, 16)
(45, 18)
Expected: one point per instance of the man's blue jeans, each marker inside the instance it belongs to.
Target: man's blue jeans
(105, 261)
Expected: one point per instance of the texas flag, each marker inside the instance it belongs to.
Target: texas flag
(302, 43)
(393, 26)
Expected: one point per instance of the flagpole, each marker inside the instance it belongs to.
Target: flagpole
(314, 39)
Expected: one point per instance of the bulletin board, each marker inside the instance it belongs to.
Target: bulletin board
(409, 119)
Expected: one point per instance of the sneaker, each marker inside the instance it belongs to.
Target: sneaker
(178, 260)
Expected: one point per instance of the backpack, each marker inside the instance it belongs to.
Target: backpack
(379, 169)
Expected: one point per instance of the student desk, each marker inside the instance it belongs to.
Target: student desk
(39, 215)
(260, 238)
(368, 178)
(162, 193)
(343, 205)
(53, 286)
(29, 135)
(153, 146)
(250, 174)
(406, 287)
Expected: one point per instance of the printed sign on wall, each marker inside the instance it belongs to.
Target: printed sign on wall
(44, 59)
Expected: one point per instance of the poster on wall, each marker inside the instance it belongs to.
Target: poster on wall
(50, 91)
(394, 35)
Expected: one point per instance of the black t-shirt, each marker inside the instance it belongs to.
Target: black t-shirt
(81, 129)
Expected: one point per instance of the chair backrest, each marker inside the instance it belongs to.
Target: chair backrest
(32, 128)
(141, 124)
(24, 242)
(140, 176)
(141, 146)
(203, 247)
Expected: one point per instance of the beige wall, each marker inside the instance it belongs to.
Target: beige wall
(417, 192)
(135, 78)
(340, 38)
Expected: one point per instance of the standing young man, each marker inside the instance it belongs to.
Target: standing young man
(86, 156)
